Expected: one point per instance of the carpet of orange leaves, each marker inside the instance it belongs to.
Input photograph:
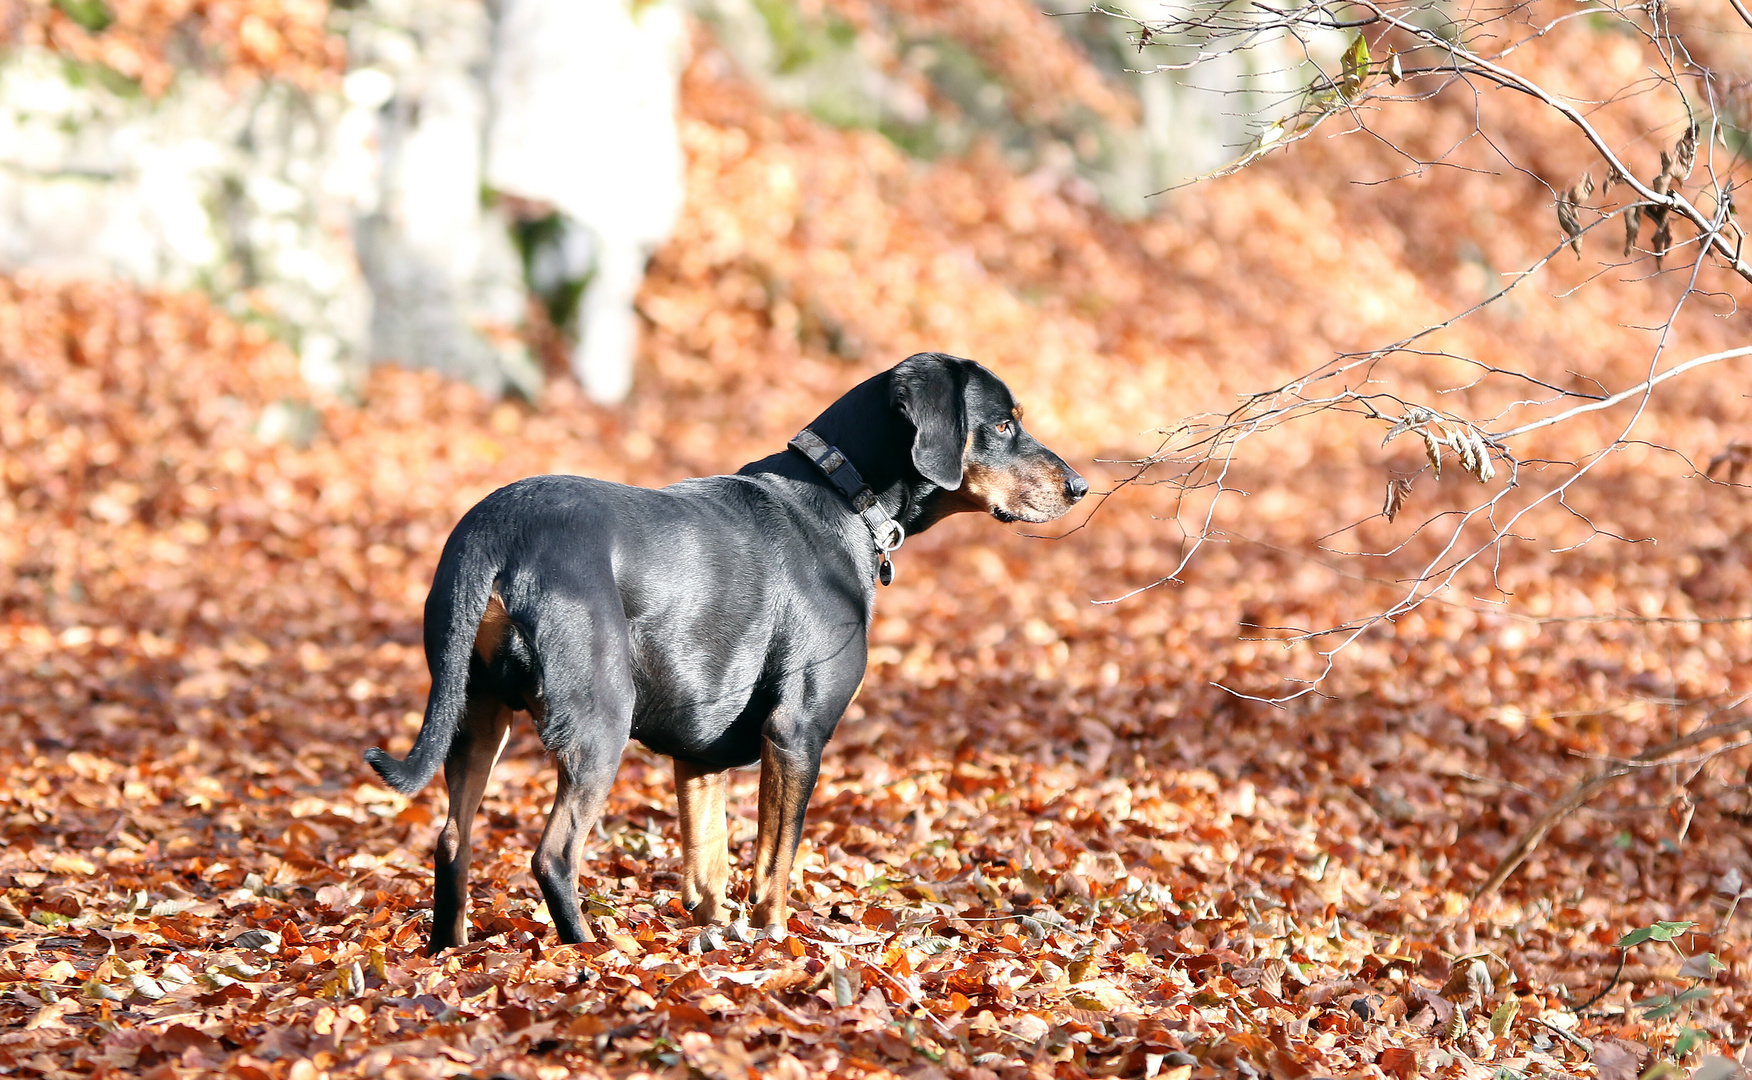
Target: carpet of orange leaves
(1045, 844)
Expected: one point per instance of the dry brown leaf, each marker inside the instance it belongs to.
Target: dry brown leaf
(1398, 490)
(1616, 1059)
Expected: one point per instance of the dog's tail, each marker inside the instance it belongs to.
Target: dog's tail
(454, 608)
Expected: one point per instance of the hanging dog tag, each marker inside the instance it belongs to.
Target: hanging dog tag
(885, 571)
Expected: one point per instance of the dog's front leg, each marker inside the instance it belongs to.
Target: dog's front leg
(705, 854)
(787, 779)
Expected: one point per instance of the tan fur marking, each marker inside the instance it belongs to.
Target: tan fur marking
(495, 624)
(771, 800)
(989, 487)
(781, 816)
(705, 849)
(1037, 489)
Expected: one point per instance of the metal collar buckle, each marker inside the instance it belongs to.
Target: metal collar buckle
(843, 475)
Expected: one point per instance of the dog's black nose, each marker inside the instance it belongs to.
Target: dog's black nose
(1076, 487)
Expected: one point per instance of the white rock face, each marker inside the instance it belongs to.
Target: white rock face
(82, 169)
(364, 223)
(199, 189)
(357, 219)
(584, 100)
(445, 279)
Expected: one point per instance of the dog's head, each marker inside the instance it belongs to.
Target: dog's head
(969, 441)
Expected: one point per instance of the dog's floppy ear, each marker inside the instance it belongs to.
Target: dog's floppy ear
(928, 389)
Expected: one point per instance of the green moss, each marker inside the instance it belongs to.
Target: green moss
(530, 236)
(917, 140)
(87, 75)
(960, 76)
(799, 41)
(819, 52)
(93, 15)
(843, 109)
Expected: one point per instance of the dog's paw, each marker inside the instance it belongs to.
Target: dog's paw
(710, 912)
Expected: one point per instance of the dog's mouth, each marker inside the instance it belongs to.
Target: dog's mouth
(1013, 497)
(1030, 515)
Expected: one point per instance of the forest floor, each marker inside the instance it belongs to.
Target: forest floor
(1052, 838)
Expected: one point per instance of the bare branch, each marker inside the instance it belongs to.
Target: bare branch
(1622, 396)
(1581, 793)
(1427, 59)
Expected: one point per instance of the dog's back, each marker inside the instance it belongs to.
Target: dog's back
(646, 584)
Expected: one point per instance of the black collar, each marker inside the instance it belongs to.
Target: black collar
(843, 475)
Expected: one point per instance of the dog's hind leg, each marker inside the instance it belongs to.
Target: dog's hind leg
(705, 853)
(585, 779)
(486, 724)
(585, 717)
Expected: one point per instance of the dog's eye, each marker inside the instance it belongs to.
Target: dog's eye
(1003, 427)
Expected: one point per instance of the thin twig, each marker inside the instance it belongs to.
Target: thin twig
(1581, 1044)
(1586, 790)
(1610, 983)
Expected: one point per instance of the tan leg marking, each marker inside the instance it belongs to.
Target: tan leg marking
(705, 852)
(783, 795)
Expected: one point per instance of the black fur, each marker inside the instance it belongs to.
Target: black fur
(710, 615)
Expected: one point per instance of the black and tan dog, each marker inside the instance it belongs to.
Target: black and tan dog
(720, 621)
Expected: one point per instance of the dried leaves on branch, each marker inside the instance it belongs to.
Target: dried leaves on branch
(1467, 442)
(1531, 107)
